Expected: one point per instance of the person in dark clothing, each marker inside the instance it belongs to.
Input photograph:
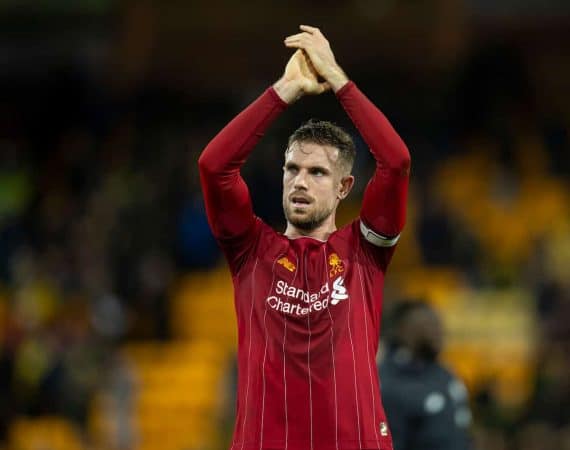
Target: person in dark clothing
(426, 405)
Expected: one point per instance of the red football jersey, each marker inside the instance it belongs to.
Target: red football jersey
(308, 311)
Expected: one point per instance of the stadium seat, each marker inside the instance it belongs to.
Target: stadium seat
(51, 433)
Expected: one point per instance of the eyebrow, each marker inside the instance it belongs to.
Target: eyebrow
(321, 168)
(292, 165)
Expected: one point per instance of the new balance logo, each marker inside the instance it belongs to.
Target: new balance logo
(339, 291)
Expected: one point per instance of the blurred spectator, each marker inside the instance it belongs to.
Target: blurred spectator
(426, 405)
(105, 109)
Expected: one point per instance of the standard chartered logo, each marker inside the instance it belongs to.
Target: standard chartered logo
(299, 302)
(339, 291)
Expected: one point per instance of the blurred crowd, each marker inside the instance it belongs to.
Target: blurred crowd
(101, 214)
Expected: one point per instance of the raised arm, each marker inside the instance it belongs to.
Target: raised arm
(227, 199)
(228, 204)
(383, 211)
(384, 205)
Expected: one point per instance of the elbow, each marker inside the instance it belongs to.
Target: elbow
(206, 163)
(203, 163)
(402, 161)
(212, 165)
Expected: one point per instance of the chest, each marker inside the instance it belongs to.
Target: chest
(307, 265)
(301, 278)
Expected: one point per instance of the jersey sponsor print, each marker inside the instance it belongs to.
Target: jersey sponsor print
(308, 311)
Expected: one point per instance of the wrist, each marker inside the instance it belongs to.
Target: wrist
(289, 91)
(337, 79)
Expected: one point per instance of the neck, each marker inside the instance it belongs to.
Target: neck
(322, 232)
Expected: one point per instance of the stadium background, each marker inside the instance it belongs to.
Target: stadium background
(116, 314)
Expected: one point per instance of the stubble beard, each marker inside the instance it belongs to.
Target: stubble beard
(306, 222)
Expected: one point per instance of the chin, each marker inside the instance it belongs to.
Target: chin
(305, 222)
(305, 225)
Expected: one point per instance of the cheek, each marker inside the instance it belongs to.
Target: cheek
(327, 194)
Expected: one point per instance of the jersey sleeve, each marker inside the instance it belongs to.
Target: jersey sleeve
(228, 203)
(383, 211)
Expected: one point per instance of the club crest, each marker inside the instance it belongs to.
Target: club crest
(336, 265)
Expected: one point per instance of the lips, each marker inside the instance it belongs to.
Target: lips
(300, 200)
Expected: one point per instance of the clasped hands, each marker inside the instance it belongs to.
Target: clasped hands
(312, 69)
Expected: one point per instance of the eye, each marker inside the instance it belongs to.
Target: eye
(291, 169)
(317, 172)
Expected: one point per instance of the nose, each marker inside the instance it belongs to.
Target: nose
(300, 181)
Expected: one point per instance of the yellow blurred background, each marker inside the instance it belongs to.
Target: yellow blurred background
(117, 326)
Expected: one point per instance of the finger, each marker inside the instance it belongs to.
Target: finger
(324, 86)
(292, 41)
(298, 36)
(309, 62)
(294, 45)
(302, 39)
(301, 42)
(320, 88)
(303, 60)
(309, 29)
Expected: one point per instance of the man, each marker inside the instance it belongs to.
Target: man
(426, 405)
(308, 301)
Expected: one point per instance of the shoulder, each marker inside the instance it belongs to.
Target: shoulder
(259, 240)
(267, 236)
(345, 236)
(270, 243)
(355, 235)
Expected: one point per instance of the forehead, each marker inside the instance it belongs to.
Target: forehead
(311, 154)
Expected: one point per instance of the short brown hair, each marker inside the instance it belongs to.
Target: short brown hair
(326, 133)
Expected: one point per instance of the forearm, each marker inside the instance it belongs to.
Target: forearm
(336, 77)
(227, 152)
(386, 146)
(288, 91)
(384, 202)
(226, 196)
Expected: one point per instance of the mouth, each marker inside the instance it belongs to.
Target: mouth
(300, 201)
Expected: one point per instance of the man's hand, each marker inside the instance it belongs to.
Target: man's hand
(300, 78)
(316, 46)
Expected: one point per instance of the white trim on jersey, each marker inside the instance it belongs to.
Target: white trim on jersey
(333, 364)
(377, 239)
(354, 369)
(263, 367)
(368, 352)
(309, 357)
(265, 352)
(285, 383)
(249, 352)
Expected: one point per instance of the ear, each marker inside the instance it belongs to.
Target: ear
(346, 184)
